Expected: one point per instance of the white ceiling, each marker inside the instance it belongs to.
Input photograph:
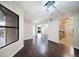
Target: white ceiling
(67, 8)
(34, 10)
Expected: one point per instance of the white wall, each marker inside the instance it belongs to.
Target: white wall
(11, 49)
(28, 30)
(76, 32)
(53, 30)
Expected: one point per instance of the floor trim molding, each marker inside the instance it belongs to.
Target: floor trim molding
(16, 51)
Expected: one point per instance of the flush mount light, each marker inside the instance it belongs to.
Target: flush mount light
(50, 7)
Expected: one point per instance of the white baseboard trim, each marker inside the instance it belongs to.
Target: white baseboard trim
(17, 51)
(53, 41)
(28, 38)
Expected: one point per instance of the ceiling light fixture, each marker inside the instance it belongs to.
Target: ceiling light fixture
(50, 7)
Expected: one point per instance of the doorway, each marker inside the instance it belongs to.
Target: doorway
(66, 31)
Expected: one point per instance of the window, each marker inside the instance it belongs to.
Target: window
(9, 26)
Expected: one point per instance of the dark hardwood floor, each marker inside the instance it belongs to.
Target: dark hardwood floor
(76, 51)
(54, 50)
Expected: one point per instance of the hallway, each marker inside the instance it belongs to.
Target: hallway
(53, 26)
